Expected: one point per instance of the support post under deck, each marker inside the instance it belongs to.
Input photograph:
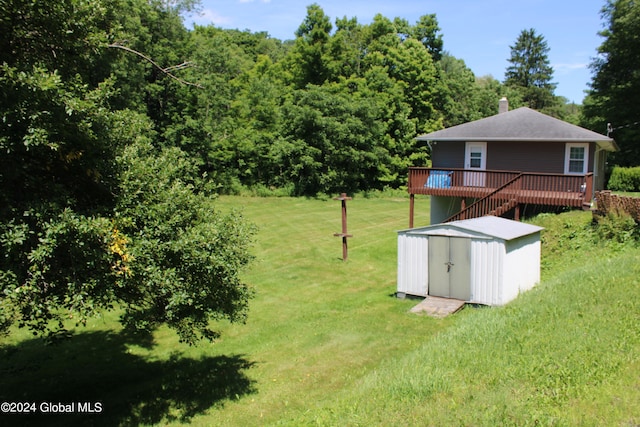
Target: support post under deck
(411, 209)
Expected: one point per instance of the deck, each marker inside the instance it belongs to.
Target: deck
(496, 192)
(524, 196)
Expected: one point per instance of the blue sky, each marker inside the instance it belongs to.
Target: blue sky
(476, 31)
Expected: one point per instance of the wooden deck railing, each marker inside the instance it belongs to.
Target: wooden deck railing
(439, 182)
(498, 190)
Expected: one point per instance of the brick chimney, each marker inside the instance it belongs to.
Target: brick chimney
(503, 105)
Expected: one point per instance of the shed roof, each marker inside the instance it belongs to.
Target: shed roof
(486, 226)
(521, 124)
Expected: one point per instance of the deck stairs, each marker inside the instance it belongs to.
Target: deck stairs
(497, 203)
(504, 208)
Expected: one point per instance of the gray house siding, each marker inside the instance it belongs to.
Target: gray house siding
(543, 157)
(599, 175)
(448, 154)
(592, 153)
(536, 157)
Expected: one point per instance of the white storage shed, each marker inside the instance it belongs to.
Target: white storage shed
(487, 260)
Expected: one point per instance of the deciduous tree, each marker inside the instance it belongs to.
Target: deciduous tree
(95, 212)
(310, 62)
(615, 86)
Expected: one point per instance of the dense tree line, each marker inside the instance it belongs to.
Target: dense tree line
(335, 109)
(118, 129)
(611, 106)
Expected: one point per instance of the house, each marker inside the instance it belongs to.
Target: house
(496, 165)
(487, 260)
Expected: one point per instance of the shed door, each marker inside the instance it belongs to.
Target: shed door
(450, 267)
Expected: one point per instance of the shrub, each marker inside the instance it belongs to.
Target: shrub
(616, 227)
(625, 179)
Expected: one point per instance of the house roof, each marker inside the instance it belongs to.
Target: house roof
(484, 227)
(521, 124)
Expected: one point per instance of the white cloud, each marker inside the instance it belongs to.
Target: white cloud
(567, 68)
(209, 16)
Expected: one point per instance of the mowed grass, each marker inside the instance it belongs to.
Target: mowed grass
(316, 325)
(565, 353)
(327, 342)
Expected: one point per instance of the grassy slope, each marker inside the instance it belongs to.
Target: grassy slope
(326, 342)
(565, 353)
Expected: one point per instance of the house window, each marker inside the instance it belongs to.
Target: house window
(475, 160)
(576, 158)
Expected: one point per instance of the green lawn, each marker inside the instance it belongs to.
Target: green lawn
(627, 193)
(327, 343)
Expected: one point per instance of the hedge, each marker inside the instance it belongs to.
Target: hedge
(625, 179)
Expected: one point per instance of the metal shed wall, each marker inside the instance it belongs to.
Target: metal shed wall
(413, 251)
(522, 265)
(499, 269)
(487, 266)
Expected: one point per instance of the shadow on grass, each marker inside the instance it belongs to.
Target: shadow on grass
(131, 389)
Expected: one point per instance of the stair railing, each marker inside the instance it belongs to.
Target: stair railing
(493, 202)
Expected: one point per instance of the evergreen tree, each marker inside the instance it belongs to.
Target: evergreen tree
(530, 71)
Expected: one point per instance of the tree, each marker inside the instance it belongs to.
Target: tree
(248, 154)
(94, 212)
(460, 96)
(411, 65)
(615, 85)
(347, 49)
(335, 140)
(56, 172)
(408, 62)
(177, 258)
(310, 51)
(154, 29)
(426, 31)
(530, 71)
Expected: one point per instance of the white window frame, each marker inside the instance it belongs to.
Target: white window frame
(567, 159)
(478, 177)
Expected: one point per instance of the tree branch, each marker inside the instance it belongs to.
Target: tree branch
(155, 64)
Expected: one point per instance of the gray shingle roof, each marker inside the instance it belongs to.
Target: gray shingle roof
(522, 124)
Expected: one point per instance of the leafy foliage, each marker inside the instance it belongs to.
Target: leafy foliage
(616, 80)
(56, 178)
(463, 98)
(616, 228)
(183, 257)
(91, 215)
(336, 139)
(624, 179)
(69, 272)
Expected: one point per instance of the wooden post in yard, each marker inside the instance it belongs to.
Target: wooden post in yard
(343, 198)
(411, 209)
